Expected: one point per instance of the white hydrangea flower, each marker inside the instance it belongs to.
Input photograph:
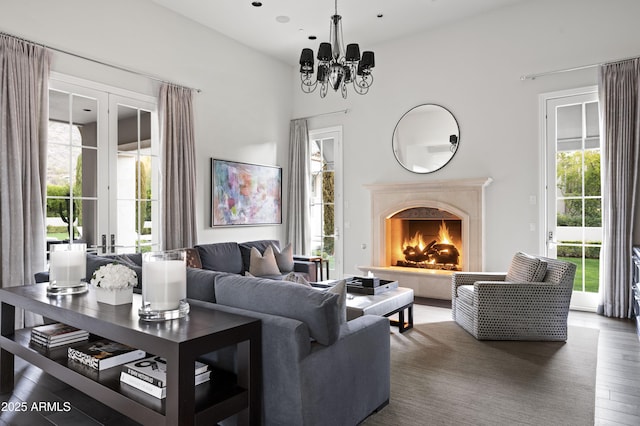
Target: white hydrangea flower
(114, 276)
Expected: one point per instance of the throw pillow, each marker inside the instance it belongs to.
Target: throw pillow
(525, 268)
(263, 264)
(340, 288)
(294, 278)
(284, 258)
(193, 258)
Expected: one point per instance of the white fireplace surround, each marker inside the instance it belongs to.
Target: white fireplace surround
(462, 197)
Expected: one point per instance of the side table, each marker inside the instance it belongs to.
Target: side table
(318, 260)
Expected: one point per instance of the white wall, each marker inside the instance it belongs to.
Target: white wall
(473, 68)
(242, 113)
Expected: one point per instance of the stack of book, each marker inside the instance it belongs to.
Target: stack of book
(102, 354)
(57, 334)
(150, 375)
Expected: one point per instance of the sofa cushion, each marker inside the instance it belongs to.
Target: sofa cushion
(200, 284)
(261, 245)
(284, 258)
(526, 268)
(317, 309)
(465, 294)
(263, 264)
(222, 257)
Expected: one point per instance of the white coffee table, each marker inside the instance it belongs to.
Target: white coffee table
(385, 304)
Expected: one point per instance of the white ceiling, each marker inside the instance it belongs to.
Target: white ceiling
(258, 28)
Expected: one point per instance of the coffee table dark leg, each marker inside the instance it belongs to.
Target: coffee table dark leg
(7, 328)
(410, 319)
(402, 325)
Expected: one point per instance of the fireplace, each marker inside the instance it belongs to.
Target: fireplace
(400, 211)
(425, 237)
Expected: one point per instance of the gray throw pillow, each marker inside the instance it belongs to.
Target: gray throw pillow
(284, 258)
(525, 268)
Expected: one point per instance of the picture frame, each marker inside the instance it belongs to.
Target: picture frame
(245, 194)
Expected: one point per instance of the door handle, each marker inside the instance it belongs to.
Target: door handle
(113, 243)
(103, 247)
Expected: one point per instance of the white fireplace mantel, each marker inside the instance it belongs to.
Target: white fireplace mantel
(462, 197)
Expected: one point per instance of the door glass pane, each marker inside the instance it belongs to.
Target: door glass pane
(569, 213)
(593, 214)
(569, 173)
(592, 172)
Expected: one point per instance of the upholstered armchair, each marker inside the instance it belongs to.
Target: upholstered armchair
(529, 302)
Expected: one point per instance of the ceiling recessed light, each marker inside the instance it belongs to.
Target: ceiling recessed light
(86, 109)
(256, 3)
(312, 37)
(379, 15)
(283, 19)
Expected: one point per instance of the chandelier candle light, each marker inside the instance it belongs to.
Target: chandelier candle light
(67, 269)
(335, 67)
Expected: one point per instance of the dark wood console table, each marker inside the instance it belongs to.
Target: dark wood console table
(181, 342)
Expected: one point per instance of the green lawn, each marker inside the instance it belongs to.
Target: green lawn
(591, 273)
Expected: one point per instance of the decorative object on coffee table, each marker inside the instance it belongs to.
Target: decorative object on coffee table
(67, 269)
(113, 284)
(164, 286)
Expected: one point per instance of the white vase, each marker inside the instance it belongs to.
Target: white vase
(114, 297)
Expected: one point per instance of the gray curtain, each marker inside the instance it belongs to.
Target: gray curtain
(298, 230)
(179, 167)
(24, 117)
(618, 86)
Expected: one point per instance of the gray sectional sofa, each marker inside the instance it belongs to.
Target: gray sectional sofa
(318, 368)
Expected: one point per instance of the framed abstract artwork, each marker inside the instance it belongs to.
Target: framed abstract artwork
(245, 194)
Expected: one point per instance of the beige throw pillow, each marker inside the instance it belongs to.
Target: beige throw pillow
(261, 265)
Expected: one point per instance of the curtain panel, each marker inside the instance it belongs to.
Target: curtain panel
(298, 230)
(179, 167)
(24, 117)
(618, 86)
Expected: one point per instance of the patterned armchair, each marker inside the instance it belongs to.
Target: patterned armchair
(530, 302)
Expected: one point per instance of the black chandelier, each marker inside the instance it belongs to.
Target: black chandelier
(335, 68)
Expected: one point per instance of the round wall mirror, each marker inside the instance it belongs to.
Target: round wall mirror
(426, 138)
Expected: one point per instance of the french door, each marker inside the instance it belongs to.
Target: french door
(102, 168)
(325, 166)
(573, 189)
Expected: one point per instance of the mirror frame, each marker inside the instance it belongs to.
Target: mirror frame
(393, 138)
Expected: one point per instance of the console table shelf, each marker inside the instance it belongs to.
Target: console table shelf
(179, 341)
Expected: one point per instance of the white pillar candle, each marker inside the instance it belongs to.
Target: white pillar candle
(67, 267)
(164, 284)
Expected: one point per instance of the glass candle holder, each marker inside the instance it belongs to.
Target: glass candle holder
(67, 269)
(164, 286)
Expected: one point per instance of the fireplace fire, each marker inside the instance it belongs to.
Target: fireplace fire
(426, 238)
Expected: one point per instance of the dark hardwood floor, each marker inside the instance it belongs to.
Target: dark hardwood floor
(39, 399)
